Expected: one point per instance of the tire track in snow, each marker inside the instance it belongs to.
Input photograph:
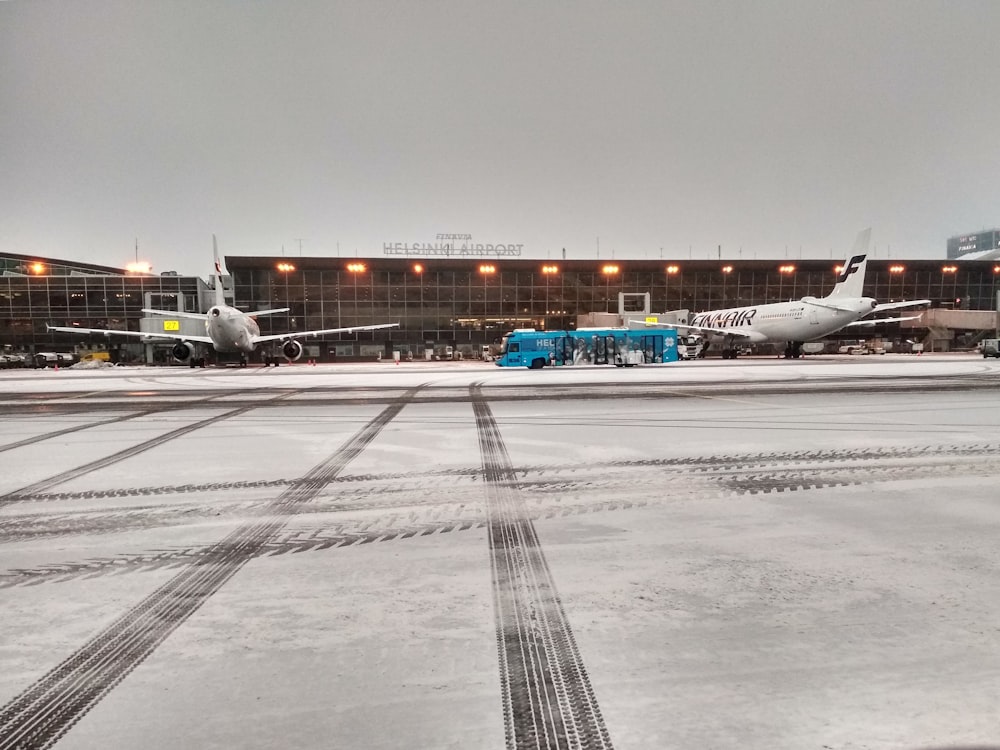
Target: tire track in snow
(43, 713)
(547, 698)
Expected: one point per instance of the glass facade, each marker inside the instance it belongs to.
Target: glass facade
(438, 302)
(469, 303)
(37, 292)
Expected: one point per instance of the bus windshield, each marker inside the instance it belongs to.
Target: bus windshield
(503, 344)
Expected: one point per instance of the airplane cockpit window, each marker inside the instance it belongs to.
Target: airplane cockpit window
(215, 312)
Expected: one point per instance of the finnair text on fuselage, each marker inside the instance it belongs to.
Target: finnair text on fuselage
(740, 316)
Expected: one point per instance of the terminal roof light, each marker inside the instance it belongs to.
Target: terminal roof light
(285, 267)
(487, 268)
(550, 269)
(609, 269)
(673, 270)
(727, 269)
(786, 269)
(356, 267)
(897, 268)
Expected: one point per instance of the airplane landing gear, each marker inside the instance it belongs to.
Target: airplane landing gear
(793, 350)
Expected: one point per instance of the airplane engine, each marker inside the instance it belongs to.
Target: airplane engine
(182, 351)
(292, 350)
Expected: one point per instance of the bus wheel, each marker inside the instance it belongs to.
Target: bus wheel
(537, 364)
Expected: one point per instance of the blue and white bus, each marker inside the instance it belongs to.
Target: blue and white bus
(623, 347)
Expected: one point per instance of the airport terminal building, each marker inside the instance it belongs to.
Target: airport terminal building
(440, 302)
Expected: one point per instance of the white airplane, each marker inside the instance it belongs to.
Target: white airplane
(227, 329)
(807, 319)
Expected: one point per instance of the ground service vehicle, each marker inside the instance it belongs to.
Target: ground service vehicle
(690, 347)
(622, 347)
(991, 348)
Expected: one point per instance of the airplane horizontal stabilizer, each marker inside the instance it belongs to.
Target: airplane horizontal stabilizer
(894, 305)
(877, 321)
(275, 311)
(818, 303)
(175, 314)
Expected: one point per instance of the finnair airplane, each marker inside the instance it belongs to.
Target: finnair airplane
(796, 322)
(227, 329)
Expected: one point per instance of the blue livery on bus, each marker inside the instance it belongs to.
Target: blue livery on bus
(622, 347)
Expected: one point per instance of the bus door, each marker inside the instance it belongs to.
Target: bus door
(652, 348)
(511, 355)
(604, 349)
(562, 351)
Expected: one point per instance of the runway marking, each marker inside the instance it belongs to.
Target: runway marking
(43, 713)
(547, 698)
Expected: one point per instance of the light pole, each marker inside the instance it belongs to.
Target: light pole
(726, 270)
(356, 268)
(486, 270)
(285, 269)
(609, 270)
(895, 270)
(418, 269)
(671, 271)
(547, 271)
(996, 274)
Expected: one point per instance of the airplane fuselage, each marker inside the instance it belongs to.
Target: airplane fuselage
(804, 320)
(231, 330)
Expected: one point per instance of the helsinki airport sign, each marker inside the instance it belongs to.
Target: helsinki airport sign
(458, 245)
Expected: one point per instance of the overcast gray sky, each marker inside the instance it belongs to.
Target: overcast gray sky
(758, 126)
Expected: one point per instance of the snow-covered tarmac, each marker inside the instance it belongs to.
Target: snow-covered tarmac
(713, 554)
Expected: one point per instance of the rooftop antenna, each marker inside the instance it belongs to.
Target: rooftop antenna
(300, 240)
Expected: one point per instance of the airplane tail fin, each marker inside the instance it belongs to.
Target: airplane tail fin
(851, 281)
(220, 296)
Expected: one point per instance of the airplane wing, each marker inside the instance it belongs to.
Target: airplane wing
(302, 334)
(733, 332)
(894, 305)
(877, 321)
(135, 334)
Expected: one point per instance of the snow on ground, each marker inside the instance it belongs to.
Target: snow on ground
(144, 382)
(767, 570)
